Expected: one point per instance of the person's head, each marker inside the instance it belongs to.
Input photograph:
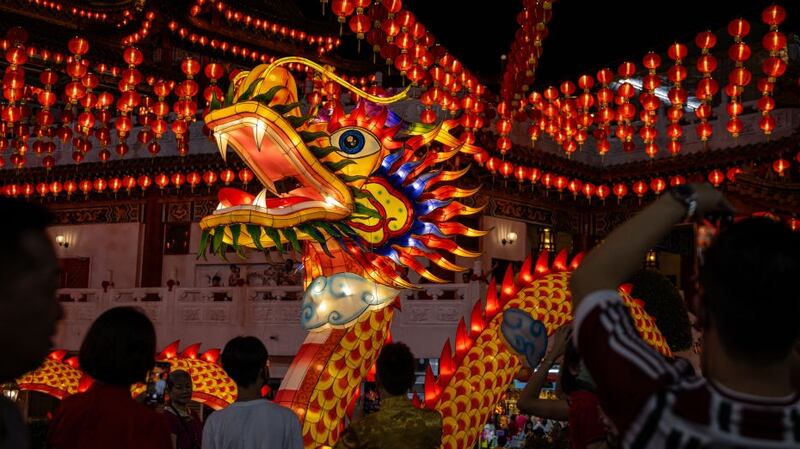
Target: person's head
(28, 282)
(528, 426)
(234, 268)
(215, 281)
(395, 369)
(748, 298)
(289, 265)
(179, 387)
(663, 302)
(568, 372)
(119, 348)
(502, 440)
(245, 361)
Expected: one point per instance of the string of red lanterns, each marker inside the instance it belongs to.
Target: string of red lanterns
(144, 30)
(253, 56)
(565, 118)
(73, 10)
(115, 184)
(521, 62)
(324, 43)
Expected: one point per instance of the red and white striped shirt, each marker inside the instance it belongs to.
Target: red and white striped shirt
(658, 404)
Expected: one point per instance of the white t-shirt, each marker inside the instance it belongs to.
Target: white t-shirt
(256, 424)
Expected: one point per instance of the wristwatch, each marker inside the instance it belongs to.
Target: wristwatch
(685, 195)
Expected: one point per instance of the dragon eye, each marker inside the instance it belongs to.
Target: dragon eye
(355, 143)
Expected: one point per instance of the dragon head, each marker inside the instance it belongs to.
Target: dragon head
(353, 191)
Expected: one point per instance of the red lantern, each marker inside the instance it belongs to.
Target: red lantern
(640, 188)
(70, 187)
(716, 177)
(677, 180)
(657, 185)
(780, 166)
(620, 190)
(162, 180)
(178, 179)
(506, 168)
(86, 186)
(144, 182)
(209, 178)
(227, 176)
(128, 182)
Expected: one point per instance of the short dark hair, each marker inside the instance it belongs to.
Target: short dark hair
(568, 381)
(663, 302)
(19, 217)
(395, 368)
(119, 348)
(502, 440)
(749, 278)
(243, 358)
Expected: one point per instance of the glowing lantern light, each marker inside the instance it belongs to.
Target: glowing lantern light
(162, 180)
(144, 182)
(780, 166)
(227, 176)
(640, 188)
(716, 178)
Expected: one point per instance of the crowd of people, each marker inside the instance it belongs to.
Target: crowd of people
(613, 389)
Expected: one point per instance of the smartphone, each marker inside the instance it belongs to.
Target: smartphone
(157, 384)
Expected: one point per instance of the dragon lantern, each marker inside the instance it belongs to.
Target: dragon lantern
(364, 197)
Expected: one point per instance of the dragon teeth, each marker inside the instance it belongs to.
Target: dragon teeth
(261, 199)
(222, 144)
(258, 133)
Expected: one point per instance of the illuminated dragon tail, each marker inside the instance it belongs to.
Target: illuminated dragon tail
(473, 377)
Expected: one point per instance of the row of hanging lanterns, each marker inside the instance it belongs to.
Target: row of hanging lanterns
(405, 45)
(567, 118)
(115, 184)
(323, 44)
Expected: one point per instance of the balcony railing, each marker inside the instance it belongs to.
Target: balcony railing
(213, 315)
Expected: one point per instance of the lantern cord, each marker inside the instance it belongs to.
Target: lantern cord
(334, 77)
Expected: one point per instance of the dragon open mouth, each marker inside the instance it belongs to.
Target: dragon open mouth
(298, 187)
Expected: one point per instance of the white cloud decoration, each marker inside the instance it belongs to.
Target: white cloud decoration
(339, 300)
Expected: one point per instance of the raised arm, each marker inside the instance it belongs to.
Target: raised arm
(615, 260)
(529, 401)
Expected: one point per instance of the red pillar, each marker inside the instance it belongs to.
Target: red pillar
(153, 245)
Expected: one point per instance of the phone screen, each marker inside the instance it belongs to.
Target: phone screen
(157, 383)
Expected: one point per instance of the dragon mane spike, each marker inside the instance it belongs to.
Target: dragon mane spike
(377, 121)
(456, 228)
(576, 261)
(508, 289)
(358, 114)
(412, 263)
(333, 77)
(336, 116)
(427, 161)
(492, 304)
(447, 365)
(444, 136)
(453, 210)
(560, 262)
(477, 323)
(447, 192)
(542, 267)
(446, 175)
(463, 342)
(432, 390)
(434, 257)
(525, 277)
(432, 241)
(442, 156)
